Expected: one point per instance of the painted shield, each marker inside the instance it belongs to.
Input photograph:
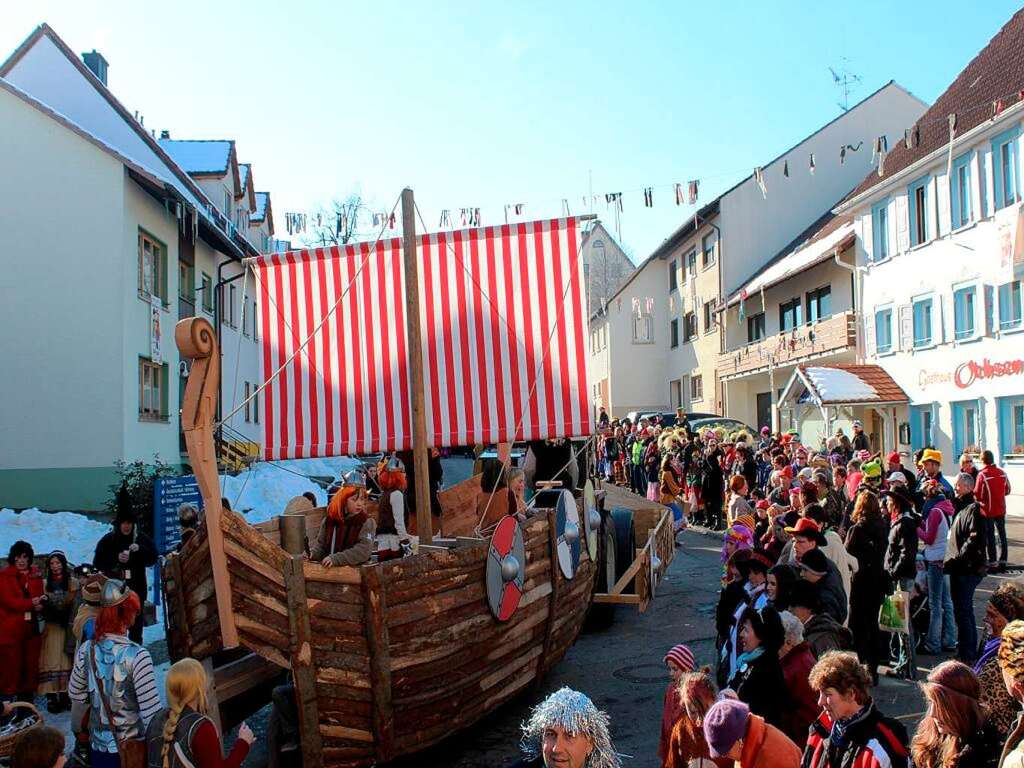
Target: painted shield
(591, 519)
(506, 569)
(567, 522)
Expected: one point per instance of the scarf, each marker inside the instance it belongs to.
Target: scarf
(840, 728)
(990, 650)
(747, 657)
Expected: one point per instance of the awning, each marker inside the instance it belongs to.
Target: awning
(826, 385)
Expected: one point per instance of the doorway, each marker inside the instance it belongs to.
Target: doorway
(764, 410)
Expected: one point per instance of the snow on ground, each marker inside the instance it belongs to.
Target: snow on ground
(262, 491)
(73, 533)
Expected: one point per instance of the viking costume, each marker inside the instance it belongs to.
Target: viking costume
(574, 713)
(346, 539)
(391, 511)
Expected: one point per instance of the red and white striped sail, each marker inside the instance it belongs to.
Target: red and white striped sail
(502, 315)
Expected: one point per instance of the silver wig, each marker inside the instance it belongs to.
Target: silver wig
(576, 714)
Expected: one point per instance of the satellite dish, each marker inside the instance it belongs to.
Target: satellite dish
(567, 527)
(506, 569)
(591, 519)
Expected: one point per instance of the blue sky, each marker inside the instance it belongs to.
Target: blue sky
(477, 104)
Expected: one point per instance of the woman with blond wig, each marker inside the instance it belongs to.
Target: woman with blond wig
(182, 735)
(953, 733)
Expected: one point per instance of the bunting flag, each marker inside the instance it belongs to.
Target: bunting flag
(679, 194)
(811, 164)
(759, 178)
(785, 168)
(881, 149)
(503, 319)
(614, 198)
(693, 187)
(648, 197)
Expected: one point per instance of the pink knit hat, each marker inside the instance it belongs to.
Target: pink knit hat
(682, 657)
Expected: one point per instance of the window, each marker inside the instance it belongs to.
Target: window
(186, 282)
(789, 315)
(245, 318)
(880, 230)
(230, 319)
(708, 247)
(709, 316)
(918, 194)
(255, 323)
(960, 192)
(1009, 306)
(152, 391)
(965, 427)
(674, 332)
(689, 326)
(676, 393)
(226, 210)
(643, 329)
(921, 419)
(248, 403)
(755, 327)
(1011, 426)
(152, 267)
(696, 388)
(255, 405)
(673, 280)
(691, 263)
(963, 312)
(207, 291)
(883, 331)
(819, 304)
(1004, 160)
(922, 323)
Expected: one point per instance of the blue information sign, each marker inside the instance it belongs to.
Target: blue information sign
(168, 494)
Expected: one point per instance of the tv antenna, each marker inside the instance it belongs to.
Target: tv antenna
(845, 81)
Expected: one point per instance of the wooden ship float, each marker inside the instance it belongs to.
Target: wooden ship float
(388, 658)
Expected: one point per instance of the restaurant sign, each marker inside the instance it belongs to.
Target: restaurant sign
(971, 371)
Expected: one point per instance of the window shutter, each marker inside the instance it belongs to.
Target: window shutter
(904, 336)
(902, 224)
(942, 320)
(867, 237)
(989, 308)
(945, 210)
(869, 334)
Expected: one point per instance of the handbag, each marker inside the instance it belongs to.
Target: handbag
(894, 615)
(132, 752)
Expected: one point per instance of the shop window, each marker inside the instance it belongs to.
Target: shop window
(964, 301)
(1011, 426)
(965, 427)
(1010, 306)
(922, 323)
(883, 331)
(755, 327)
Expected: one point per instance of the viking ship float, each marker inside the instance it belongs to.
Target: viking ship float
(390, 657)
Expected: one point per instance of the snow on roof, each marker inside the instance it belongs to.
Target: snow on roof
(835, 384)
(262, 198)
(807, 255)
(198, 156)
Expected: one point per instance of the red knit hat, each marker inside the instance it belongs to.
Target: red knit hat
(681, 657)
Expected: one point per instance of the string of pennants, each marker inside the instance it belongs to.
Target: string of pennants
(682, 194)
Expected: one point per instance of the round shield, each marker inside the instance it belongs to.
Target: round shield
(591, 519)
(506, 569)
(567, 521)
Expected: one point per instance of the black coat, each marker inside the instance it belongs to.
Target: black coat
(860, 442)
(134, 571)
(867, 541)
(762, 687)
(901, 555)
(713, 479)
(965, 546)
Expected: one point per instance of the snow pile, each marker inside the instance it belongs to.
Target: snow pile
(73, 533)
(262, 491)
(838, 385)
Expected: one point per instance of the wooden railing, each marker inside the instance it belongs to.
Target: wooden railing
(834, 334)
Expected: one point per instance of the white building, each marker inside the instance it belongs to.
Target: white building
(660, 335)
(939, 241)
(605, 265)
(107, 243)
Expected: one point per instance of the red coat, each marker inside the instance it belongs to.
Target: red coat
(990, 490)
(14, 603)
(803, 709)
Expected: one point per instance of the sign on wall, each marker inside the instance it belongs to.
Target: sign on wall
(168, 494)
(154, 330)
(967, 373)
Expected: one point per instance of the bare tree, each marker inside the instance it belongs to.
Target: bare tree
(335, 224)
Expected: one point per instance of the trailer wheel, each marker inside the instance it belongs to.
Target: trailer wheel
(602, 615)
(625, 543)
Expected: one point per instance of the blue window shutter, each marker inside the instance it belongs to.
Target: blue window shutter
(916, 428)
(958, 429)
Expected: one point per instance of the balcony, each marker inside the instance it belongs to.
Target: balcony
(832, 335)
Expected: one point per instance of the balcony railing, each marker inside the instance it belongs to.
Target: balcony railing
(833, 334)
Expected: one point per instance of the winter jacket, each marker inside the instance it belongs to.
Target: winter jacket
(749, 472)
(670, 489)
(765, 746)
(357, 554)
(833, 597)
(866, 541)
(823, 634)
(937, 516)
(965, 547)
(991, 489)
(17, 617)
(134, 571)
(901, 555)
(872, 740)
(803, 701)
(713, 481)
(761, 686)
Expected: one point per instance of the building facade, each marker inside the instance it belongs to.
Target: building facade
(96, 276)
(665, 320)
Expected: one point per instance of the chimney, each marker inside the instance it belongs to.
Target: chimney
(96, 64)
(165, 134)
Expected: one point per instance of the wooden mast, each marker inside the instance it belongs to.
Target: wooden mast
(424, 518)
(197, 342)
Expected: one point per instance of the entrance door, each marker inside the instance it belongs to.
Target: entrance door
(764, 410)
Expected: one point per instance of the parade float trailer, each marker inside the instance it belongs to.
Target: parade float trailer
(391, 657)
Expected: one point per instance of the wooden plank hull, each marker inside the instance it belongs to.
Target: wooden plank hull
(412, 636)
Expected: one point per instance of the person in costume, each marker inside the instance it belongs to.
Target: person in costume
(347, 534)
(392, 535)
(566, 729)
(54, 660)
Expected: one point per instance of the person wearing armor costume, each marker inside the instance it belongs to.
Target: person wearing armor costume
(347, 534)
(112, 673)
(392, 510)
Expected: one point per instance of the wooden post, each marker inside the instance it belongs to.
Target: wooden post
(303, 670)
(378, 644)
(183, 646)
(424, 521)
